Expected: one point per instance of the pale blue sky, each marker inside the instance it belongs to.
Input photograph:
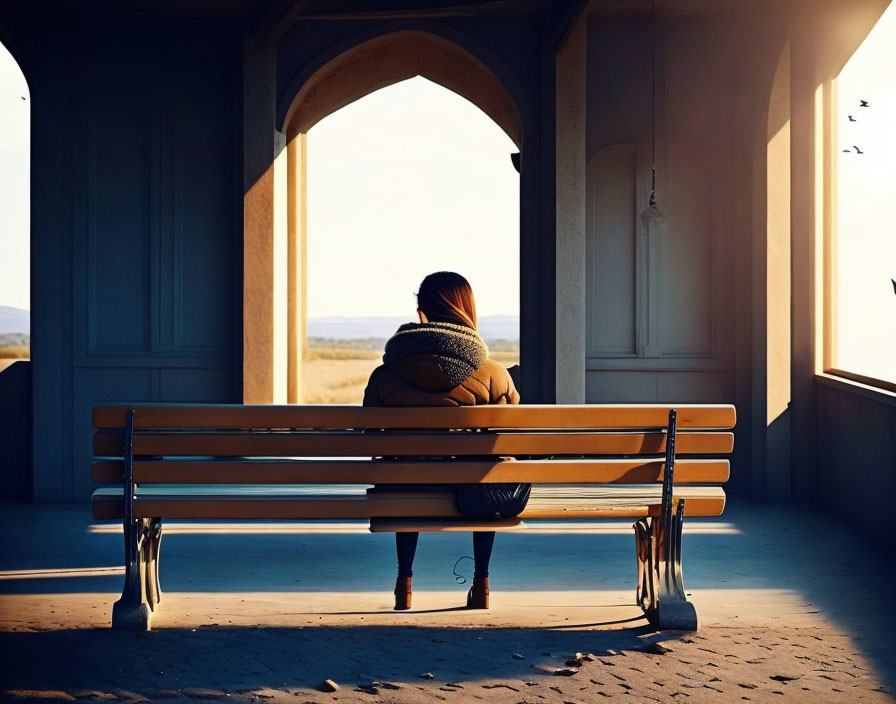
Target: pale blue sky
(14, 184)
(406, 181)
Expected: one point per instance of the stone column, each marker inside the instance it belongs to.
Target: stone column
(264, 232)
(772, 301)
(570, 216)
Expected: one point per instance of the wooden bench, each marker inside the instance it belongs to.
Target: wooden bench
(246, 462)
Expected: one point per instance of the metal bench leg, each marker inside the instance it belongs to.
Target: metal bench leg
(660, 591)
(645, 549)
(131, 611)
(673, 610)
(151, 546)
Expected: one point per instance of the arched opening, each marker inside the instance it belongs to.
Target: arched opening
(395, 57)
(408, 180)
(16, 481)
(351, 75)
(15, 265)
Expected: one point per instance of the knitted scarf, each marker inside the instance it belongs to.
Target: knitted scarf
(460, 350)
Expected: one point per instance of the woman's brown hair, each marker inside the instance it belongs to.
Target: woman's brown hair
(446, 297)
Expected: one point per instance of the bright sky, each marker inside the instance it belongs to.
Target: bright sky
(409, 180)
(866, 190)
(15, 129)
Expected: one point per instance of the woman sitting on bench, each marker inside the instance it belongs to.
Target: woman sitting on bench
(440, 361)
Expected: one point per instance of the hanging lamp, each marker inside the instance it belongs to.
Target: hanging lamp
(652, 212)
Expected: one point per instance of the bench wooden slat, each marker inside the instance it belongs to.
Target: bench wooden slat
(619, 501)
(423, 525)
(274, 444)
(722, 416)
(591, 501)
(281, 505)
(703, 507)
(610, 471)
(286, 503)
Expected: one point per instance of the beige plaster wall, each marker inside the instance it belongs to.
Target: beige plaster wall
(687, 311)
(661, 297)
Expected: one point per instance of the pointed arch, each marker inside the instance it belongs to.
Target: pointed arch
(394, 57)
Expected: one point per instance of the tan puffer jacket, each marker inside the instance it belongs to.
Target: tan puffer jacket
(438, 364)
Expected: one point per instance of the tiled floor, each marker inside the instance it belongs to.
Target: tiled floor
(791, 607)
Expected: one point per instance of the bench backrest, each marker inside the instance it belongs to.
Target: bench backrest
(235, 444)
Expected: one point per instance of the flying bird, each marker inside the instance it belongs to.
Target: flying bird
(851, 118)
(858, 151)
(22, 97)
(864, 104)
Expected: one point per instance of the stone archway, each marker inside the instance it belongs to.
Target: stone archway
(394, 57)
(343, 79)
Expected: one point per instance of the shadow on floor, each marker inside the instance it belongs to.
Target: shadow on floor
(233, 659)
(833, 569)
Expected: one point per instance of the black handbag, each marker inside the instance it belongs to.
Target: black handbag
(503, 500)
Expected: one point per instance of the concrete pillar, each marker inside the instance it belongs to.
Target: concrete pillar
(807, 242)
(51, 275)
(570, 215)
(772, 300)
(264, 232)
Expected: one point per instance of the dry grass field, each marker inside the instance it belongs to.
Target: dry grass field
(15, 352)
(339, 375)
(10, 354)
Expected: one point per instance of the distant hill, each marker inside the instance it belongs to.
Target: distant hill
(14, 320)
(491, 327)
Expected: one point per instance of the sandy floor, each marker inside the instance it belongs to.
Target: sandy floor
(267, 612)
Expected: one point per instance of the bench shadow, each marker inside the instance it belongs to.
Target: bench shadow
(602, 624)
(239, 659)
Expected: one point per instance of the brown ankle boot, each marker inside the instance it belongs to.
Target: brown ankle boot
(477, 597)
(402, 593)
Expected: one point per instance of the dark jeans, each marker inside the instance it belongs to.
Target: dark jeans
(406, 547)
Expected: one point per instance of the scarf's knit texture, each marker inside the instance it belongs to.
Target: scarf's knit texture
(459, 350)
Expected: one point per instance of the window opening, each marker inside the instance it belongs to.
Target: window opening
(864, 252)
(15, 264)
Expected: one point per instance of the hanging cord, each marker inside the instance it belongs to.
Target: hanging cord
(653, 104)
(459, 578)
